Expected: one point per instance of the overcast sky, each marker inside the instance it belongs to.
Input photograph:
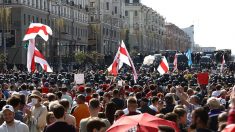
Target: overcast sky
(213, 20)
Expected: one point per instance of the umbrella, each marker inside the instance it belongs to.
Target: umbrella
(140, 123)
(229, 128)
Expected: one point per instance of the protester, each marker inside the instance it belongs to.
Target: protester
(59, 125)
(10, 124)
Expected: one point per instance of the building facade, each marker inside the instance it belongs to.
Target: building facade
(146, 27)
(68, 20)
(190, 32)
(176, 38)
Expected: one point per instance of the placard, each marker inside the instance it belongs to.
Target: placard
(203, 78)
(79, 78)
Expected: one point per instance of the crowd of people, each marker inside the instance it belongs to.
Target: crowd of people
(53, 102)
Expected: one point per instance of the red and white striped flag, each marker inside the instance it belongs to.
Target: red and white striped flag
(222, 64)
(163, 66)
(34, 56)
(175, 63)
(122, 56)
(37, 29)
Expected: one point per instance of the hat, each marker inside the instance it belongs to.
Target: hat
(8, 107)
(36, 94)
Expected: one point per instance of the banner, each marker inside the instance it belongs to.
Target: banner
(79, 78)
(203, 78)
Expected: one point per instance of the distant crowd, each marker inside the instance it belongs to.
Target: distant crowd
(53, 102)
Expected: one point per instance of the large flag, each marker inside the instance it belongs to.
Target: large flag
(175, 63)
(37, 29)
(163, 66)
(34, 56)
(122, 56)
(188, 54)
(222, 64)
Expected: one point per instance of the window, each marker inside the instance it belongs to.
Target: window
(103, 31)
(33, 18)
(37, 19)
(126, 13)
(115, 10)
(127, 1)
(107, 5)
(136, 13)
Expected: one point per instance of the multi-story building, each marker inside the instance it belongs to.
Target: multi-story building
(190, 31)
(176, 38)
(105, 19)
(146, 27)
(67, 18)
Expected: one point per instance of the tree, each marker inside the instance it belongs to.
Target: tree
(80, 57)
(2, 60)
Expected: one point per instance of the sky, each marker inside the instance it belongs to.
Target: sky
(213, 20)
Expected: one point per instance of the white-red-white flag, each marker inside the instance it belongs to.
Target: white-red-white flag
(222, 64)
(163, 66)
(175, 63)
(37, 29)
(121, 57)
(34, 56)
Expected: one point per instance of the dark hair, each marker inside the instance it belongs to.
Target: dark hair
(64, 89)
(171, 117)
(13, 101)
(59, 94)
(23, 86)
(169, 99)
(180, 112)
(165, 129)
(202, 114)
(115, 92)
(94, 103)
(58, 111)
(88, 90)
(81, 97)
(65, 103)
(51, 97)
(95, 123)
(101, 115)
(154, 99)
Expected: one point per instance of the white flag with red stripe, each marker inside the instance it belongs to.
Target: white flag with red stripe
(37, 29)
(175, 63)
(222, 64)
(34, 56)
(121, 57)
(163, 66)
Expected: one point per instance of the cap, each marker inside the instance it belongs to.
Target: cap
(8, 107)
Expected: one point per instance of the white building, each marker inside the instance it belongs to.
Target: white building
(190, 32)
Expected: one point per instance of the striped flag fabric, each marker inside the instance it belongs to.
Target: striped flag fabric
(34, 56)
(35, 29)
(163, 66)
(122, 56)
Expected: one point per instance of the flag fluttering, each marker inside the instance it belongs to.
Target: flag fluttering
(188, 54)
(148, 60)
(33, 54)
(163, 66)
(37, 29)
(122, 56)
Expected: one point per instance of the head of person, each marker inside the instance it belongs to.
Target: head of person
(213, 103)
(162, 128)
(81, 99)
(59, 111)
(95, 125)
(118, 114)
(88, 90)
(50, 118)
(8, 114)
(132, 104)
(155, 100)
(65, 103)
(36, 97)
(194, 99)
(144, 102)
(14, 101)
(182, 115)
(199, 118)
(115, 93)
(94, 106)
(51, 97)
(64, 90)
(218, 87)
(169, 99)
(172, 117)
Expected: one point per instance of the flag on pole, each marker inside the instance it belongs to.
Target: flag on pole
(163, 66)
(34, 56)
(37, 29)
(188, 54)
(222, 64)
(122, 56)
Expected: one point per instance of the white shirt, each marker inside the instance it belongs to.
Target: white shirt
(126, 111)
(153, 108)
(16, 127)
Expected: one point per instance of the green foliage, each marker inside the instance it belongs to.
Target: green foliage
(80, 57)
(2, 58)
